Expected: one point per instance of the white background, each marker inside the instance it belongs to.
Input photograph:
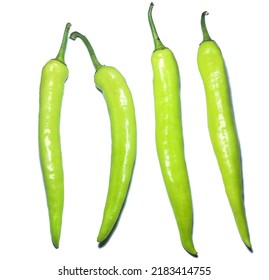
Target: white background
(146, 236)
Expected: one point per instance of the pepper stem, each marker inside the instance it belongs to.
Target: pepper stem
(74, 36)
(157, 41)
(206, 36)
(61, 53)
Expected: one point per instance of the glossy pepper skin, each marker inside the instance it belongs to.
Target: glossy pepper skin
(169, 137)
(121, 111)
(222, 128)
(53, 77)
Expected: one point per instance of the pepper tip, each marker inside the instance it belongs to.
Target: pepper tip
(55, 244)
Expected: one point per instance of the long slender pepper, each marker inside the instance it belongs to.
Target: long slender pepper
(169, 136)
(54, 75)
(222, 128)
(121, 111)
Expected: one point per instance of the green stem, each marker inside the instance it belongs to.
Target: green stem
(206, 36)
(96, 63)
(61, 53)
(157, 42)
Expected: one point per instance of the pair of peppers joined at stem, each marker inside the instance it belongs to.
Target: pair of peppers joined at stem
(221, 125)
(169, 136)
(123, 137)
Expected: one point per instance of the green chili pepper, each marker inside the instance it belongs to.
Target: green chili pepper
(169, 136)
(222, 128)
(123, 136)
(54, 75)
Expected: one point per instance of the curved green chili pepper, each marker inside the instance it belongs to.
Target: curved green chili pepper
(54, 75)
(123, 132)
(221, 125)
(169, 136)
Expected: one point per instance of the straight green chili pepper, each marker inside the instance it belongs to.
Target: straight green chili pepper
(222, 128)
(53, 77)
(169, 136)
(123, 137)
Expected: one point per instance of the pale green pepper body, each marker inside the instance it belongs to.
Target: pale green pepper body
(121, 111)
(169, 137)
(170, 143)
(222, 128)
(53, 77)
(123, 142)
